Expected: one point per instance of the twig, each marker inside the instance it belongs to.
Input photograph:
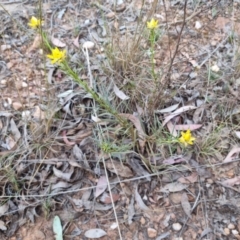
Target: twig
(178, 41)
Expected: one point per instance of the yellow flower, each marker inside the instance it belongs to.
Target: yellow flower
(34, 22)
(186, 138)
(57, 55)
(152, 24)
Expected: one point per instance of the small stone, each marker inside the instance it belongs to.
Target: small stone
(231, 226)
(88, 45)
(4, 82)
(5, 47)
(214, 43)
(226, 231)
(24, 84)
(215, 68)
(142, 220)
(198, 25)
(10, 65)
(176, 226)
(152, 233)
(17, 105)
(234, 232)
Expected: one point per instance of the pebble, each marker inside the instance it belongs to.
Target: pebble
(88, 44)
(24, 84)
(231, 226)
(152, 233)
(142, 220)
(234, 232)
(16, 105)
(198, 25)
(5, 47)
(176, 226)
(3, 82)
(226, 231)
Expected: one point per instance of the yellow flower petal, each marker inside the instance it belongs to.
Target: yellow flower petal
(186, 138)
(34, 22)
(57, 55)
(152, 24)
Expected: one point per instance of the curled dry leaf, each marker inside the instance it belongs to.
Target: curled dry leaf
(120, 93)
(177, 112)
(68, 143)
(168, 109)
(118, 168)
(174, 159)
(101, 186)
(231, 154)
(106, 198)
(137, 123)
(140, 202)
(58, 43)
(186, 205)
(190, 179)
(60, 174)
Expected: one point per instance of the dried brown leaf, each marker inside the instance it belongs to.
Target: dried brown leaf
(191, 127)
(137, 123)
(58, 43)
(168, 109)
(174, 187)
(231, 154)
(68, 143)
(118, 168)
(177, 112)
(106, 198)
(140, 202)
(36, 44)
(190, 179)
(66, 176)
(232, 181)
(186, 205)
(101, 186)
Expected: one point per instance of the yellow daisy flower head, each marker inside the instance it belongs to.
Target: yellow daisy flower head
(152, 24)
(187, 138)
(57, 55)
(34, 22)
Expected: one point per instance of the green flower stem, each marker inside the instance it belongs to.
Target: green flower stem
(95, 96)
(152, 41)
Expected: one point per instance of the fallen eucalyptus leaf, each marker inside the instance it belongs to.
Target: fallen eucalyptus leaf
(57, 228)
(95, 233)
(186, 205)
(101, 186)
(120, 93)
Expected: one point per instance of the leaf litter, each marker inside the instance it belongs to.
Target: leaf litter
(56, 160)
